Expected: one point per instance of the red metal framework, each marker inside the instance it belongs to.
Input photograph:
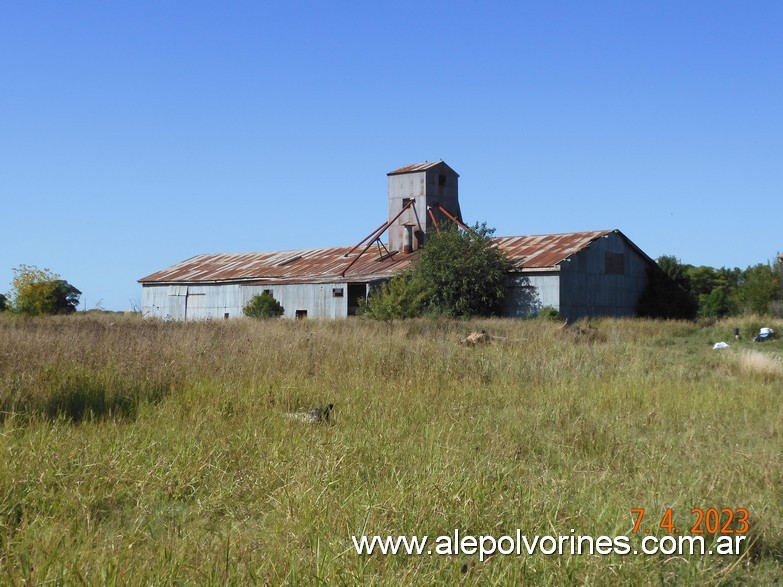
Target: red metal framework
(374, 237)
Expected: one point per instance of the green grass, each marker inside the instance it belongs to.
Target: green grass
(142, 452)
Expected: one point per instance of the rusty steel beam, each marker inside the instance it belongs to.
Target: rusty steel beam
(377, 236)
(371, 243)
(432, 217)
(410, 203)
(378, 231)
(374, 236)
(454, 218)
(375, 233)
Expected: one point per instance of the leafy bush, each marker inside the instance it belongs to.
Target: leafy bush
(549, 313)
(401, 297)
(457, 274)
(263, 306)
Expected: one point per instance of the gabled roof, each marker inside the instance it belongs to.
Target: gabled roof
(546, 250)
(417, 167)
(537, 252)
(549, 250)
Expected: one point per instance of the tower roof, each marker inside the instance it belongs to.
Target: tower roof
(418, 167)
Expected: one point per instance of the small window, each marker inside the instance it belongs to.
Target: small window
(225, 316)
(301, 314)
(268, 291)
(337, 292)
(441, 180)
(406, 201)
(614, 263)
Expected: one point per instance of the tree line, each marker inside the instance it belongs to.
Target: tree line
(686, 291)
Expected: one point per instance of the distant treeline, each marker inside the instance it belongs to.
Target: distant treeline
(681, 290)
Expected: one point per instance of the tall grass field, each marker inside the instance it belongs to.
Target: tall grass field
(140, 452)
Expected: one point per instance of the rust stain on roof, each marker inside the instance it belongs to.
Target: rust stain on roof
(546, 250)
(306, 265)
(326, 265)
(417, 167)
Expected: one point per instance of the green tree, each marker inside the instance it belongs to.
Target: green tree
(457, 273)
(675, 269)
(759, 287)
(716, 304)
(41, 292)
(667, 294)
(263, 305)
(3, 303)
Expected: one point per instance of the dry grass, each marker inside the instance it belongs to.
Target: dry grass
(142, 452)
(758, 363)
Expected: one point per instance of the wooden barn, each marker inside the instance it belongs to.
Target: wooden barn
(596, 273)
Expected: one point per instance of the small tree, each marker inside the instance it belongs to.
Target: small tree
(263, 306)
(458, 273)
(548, 313)
(41, 292)
(403, 296)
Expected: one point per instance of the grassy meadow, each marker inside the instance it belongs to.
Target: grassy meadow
(142, 452)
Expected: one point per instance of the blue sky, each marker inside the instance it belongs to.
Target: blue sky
(134, 135)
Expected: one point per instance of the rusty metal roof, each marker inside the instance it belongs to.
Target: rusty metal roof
(305, 265)
(416, 167)
(546, 250)
(327, 265)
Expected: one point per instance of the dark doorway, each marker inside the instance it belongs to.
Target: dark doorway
(356, 292)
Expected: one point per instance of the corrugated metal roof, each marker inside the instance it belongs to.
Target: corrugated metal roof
(415, 167)
(546, 250)
(326, 265)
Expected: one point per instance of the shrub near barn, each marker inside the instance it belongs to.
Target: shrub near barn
(263, 305)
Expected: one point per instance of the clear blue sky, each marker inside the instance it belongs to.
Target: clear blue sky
(134, 135)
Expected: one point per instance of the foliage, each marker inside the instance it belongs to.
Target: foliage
(3, 303)
(674, 268)
(759, 287)
(549, 313)
(714, 290)
(666, 294)
(707, 292)
(263, 305)
(457, 274)
(717, 304)
(41, 292)
(401, 297)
